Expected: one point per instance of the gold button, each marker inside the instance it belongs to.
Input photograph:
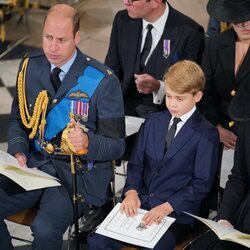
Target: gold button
(49, 148)
(230, 124)
(233, 93)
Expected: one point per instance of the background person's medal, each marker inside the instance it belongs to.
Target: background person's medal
(166, 48)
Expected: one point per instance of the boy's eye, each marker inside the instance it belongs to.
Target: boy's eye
(179, 99)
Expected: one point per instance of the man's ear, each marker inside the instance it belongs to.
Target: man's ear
(77, 37)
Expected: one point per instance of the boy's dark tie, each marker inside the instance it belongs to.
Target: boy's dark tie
(171, 132)
(147, 46)
(54, 77)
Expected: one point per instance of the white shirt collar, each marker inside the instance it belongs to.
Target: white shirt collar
(159, 24)
(186, 116)
(65, 68)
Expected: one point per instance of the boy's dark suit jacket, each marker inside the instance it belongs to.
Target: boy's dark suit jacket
(184, 174)
(187, 42)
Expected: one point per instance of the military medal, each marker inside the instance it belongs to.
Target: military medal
(80, 109)
(166, 48)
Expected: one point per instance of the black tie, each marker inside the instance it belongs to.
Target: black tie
(54, 77)
(147, 46)
(171, 132)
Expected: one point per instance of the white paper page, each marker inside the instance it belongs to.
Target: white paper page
(27, 180)
(218, 228)
(7, 159)
(129, 229)
(133, 124)
(226, 166)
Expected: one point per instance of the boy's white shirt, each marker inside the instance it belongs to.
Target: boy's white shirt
(184, 118)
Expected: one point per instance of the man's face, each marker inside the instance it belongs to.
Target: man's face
(242, 30)
(180, 104)
(59, 43)
(139, 8)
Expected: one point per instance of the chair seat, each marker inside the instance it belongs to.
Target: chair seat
(199, 230)
(24, 217)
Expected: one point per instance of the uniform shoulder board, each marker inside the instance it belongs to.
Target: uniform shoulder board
(98, 65)
(34, 53)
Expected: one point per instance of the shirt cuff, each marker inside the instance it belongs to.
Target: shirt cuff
(158, 97)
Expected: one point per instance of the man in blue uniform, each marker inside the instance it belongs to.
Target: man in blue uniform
(66, 103)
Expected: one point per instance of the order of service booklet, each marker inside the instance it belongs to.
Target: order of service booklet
(225, 233)
(28, 178)
(131, 229)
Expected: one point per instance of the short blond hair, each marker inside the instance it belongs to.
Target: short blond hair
(185, 77)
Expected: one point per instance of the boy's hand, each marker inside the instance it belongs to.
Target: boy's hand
(131, 203)
(156, 214)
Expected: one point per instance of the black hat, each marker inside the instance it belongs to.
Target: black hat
(231, 11)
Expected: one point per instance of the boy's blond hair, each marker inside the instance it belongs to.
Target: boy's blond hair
(185, 77)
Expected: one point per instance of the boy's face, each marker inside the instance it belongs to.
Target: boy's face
(180, 104)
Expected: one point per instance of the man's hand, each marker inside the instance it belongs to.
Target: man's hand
(21, 158)
(156, 214)
(227, 137)
(146, 84)
(131, 203)
(77, 137)
(226, 223)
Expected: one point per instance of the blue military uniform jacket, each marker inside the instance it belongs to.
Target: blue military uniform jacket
(105, 123)
(181, 176)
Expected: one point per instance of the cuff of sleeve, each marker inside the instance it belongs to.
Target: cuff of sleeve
(159, 96)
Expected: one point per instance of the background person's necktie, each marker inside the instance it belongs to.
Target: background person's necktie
(54, 77)
(147, 46)
(171, 132)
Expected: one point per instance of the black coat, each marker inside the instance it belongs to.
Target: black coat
(187, 42)
(218, 63)
(235, 206)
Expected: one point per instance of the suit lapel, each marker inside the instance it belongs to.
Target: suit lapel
(132, 47)
(171, 33)
(45, 76)
(227, 54)
(244, 68)
(70, 80)
(183, 137)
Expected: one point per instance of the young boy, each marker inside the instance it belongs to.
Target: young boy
(169, 179)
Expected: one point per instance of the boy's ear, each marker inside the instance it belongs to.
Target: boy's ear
(198, 96)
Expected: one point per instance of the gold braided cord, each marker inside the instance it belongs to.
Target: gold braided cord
(40, 108)
(224, 26)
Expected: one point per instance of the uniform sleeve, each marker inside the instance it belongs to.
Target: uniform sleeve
(107, 143)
